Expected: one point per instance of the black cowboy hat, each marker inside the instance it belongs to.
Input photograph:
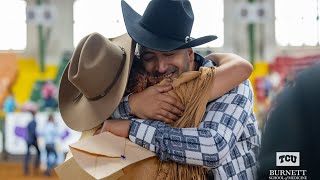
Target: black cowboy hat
(165, 25)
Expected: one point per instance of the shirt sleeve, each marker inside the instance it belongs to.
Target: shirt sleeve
(123, 109)
(208, 63)
(209, 144)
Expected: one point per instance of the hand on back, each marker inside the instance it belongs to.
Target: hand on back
(153, 103)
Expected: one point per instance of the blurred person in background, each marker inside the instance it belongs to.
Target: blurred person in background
(50, 134)
(9, 104)
(289, 80)
(32, 141)
(292, 126)
(48, 94)
(275, 79)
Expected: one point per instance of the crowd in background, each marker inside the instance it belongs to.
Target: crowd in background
(49, 133)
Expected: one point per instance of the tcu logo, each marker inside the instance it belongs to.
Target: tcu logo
(288, 159)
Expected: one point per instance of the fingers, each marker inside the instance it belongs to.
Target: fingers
(172, 109)
(162, 88)
(101, 129)
(164, 119)
(168, 114)
(97, 131)
(174, 102)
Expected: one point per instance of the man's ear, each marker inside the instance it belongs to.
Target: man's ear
(191, 54)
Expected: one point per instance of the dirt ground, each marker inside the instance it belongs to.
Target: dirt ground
(14, 171)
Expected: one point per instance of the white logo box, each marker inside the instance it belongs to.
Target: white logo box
(288, 158)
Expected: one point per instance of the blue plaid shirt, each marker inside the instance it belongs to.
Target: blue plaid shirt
(226, 140)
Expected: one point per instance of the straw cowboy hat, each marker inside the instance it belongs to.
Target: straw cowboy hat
(94, 81)
(165, 25)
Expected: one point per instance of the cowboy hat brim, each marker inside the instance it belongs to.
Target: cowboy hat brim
(80, 114)
(150, 40)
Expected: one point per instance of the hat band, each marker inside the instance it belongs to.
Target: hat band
(105, 92)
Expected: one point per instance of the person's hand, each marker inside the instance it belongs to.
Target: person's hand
(153, 103)
(118, 127)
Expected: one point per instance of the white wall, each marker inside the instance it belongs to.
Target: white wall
(61, 36)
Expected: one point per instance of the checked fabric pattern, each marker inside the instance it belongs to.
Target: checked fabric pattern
(226, 140)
